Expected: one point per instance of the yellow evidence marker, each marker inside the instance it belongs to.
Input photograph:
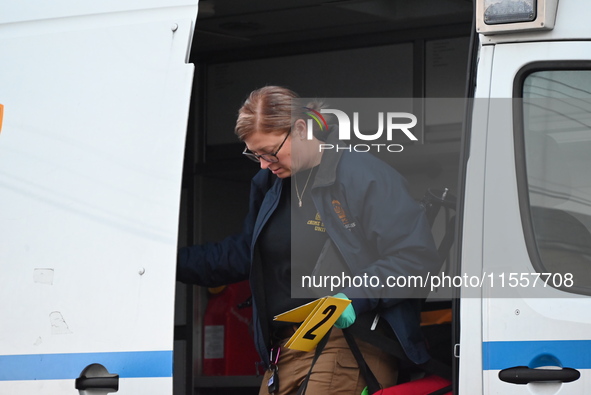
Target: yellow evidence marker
(317, 318)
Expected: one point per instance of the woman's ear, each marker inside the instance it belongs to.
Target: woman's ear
(300, 129)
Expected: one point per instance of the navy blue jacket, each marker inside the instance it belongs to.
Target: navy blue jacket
(373, 222)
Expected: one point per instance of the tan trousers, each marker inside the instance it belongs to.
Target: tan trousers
(336, 370)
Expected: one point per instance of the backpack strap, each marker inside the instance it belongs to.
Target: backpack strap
(319, 347)
(373, 386)
(391, 345)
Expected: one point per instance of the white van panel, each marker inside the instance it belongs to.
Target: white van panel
(471, 306)
(39, 10)
(91, 152)
(65, 387)
(519, 330)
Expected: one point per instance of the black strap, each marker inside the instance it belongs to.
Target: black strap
(393, 347)
(447, 241)
(373, 385)
(319, 347)
(361, 329)
(437, 368)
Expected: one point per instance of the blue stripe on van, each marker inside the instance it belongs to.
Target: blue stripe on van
(500, 355)
(69, 366)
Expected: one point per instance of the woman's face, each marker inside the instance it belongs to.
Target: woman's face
(269, 143)
(293, 150)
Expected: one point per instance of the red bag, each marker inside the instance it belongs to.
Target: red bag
(424, 386)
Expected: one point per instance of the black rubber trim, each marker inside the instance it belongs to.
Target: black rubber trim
(520, 165)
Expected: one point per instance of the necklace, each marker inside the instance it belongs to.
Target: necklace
(303, 190)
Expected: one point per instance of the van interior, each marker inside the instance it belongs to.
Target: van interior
(322, 49)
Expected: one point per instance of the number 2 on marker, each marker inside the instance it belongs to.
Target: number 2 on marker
(328, 312)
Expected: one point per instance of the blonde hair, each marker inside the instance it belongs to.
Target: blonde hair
(267, 110)
(270, 109)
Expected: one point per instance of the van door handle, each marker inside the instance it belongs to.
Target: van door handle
(96, 376)
(524, 375)
(87, 383)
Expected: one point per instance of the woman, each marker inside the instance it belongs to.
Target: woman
(348, 206)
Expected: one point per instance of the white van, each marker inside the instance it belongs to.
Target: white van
(94, 102)
(526, 207)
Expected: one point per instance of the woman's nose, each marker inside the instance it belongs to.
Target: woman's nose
(264, 163)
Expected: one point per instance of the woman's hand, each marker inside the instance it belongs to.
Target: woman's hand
(348, 316)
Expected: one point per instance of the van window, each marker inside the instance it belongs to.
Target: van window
(556, 112)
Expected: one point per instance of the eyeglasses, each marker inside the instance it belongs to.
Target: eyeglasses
(271, 158)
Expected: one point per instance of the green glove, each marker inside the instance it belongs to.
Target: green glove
(365, 391)
(348, 317)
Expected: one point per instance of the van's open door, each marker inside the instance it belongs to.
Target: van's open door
(533, 193)
(95, 99)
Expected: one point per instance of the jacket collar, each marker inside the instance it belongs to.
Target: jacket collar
(330, 159)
